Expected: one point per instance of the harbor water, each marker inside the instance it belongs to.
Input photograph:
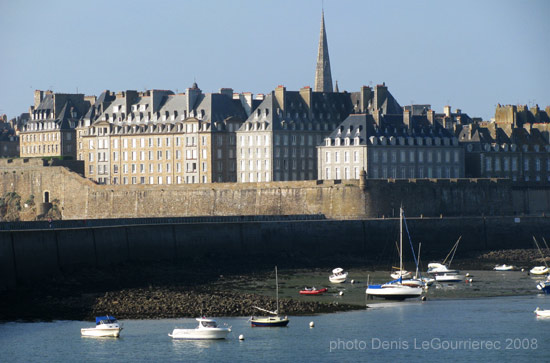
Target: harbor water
(492, 321)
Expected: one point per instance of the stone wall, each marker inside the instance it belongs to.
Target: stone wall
(29, 256)
(80, 198)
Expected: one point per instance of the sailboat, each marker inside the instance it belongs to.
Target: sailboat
(275, 319)
(543, 286)
(395, 290)
(540, 270)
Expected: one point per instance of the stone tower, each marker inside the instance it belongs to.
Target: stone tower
(323, 78)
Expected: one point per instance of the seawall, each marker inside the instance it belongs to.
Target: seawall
(28, 256)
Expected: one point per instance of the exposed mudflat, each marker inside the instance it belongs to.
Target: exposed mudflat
(190, 290)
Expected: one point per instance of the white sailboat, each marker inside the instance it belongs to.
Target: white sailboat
(395, 290)
(540, 270)
(275, 319)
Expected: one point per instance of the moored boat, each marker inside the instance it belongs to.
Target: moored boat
(270, 321)
(449, 277)
(544, 286)
(539, 270)
(313, 291)
(443, 267)
(207, 329)
(504, 267)
(338, 276)
(542, 313)
(106, 326)
(395, 290)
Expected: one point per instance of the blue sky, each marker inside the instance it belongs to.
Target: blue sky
(469, 54)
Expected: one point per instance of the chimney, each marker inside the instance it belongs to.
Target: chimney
(376, 116)
(366, 94)
(431, 116)
(246, 102)
(407, 118)
(280, 96)
(38, 97)
(447, 111)
(193, 94)
(227, 91)
(305, 93)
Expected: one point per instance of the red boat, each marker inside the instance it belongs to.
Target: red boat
(313, 291)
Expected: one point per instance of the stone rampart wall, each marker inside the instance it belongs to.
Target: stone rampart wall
(80, 198)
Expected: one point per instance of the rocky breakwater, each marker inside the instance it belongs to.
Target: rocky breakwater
(521, 258)
(153, 303)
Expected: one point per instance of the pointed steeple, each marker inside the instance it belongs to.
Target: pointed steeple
(323, 77)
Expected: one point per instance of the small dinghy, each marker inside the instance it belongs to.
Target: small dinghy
(313, 291)
(106, 326)
(542, 313)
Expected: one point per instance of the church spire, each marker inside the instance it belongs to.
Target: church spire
(323, 78)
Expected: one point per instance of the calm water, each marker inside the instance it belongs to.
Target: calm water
(446, 326)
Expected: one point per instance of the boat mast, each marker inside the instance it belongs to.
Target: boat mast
(542, 255)
(277, 289)
(400, 242)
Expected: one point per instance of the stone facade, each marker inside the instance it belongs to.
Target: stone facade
(50, 131)
(519, 153)
(278, 140)
(9, 140)
(386, 149)
(158, 137)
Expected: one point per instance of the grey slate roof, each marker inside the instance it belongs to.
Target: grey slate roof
(365, 127)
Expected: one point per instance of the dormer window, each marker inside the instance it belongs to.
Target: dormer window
(347, 141)
(327, 141)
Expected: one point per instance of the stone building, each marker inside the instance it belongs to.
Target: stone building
(390, 147)
(278, 140)
(50, 131)
(9, 140)
(158, 137)
(519, 153)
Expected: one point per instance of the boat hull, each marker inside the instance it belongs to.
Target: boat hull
(269, 322)
(338, 279)
(449, 278)
(504, 268)
(539, 270)
(105, 332)
(544, 286)
(313, 292)
(200, 334)
(542, 313)
(394, 293)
